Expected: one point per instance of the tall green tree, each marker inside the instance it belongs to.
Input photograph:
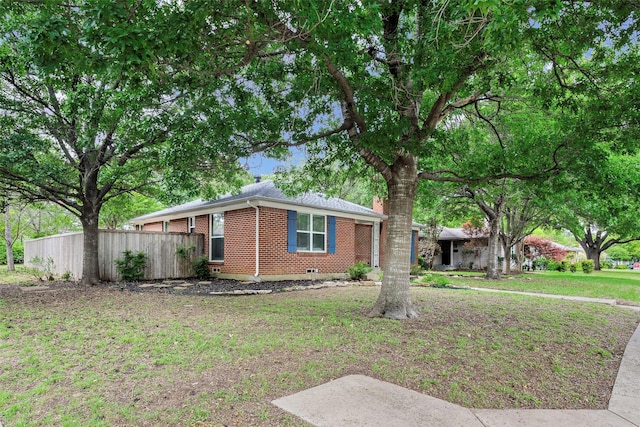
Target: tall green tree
(388, 80)
(601, 211)
(117, 211)
(100, 99)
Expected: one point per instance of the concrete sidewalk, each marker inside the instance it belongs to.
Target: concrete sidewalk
(358, 400)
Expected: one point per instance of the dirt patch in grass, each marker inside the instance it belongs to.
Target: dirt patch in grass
(115, 355)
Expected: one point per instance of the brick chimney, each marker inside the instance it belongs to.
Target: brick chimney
(380, 206)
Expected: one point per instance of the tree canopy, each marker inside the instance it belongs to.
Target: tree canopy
(393, 83)
(99, 100)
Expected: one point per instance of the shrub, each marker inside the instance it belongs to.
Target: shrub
(67, 276)
(606, 264)
(42, 268)
(621, 267)
(436, 280)
(359, 270)
(587, 266)
(416, 270)
(201, 268)
(564, 266)
(574, 266)
(131, 266)
(553, 265)
(185, 251)
(540, 263)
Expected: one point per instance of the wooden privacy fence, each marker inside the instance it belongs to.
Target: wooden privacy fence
(163, 261)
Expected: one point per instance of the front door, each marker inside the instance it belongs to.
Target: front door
(445, 245)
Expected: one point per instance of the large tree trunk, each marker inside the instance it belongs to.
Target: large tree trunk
(8, 237)
(493, 269)
(594, 255)
(506, 251)
(592, 245)
(90, 265)
(519, 255)
(394, 301)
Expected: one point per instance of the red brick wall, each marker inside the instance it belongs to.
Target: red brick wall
(202, 226)
(275, 260)
(363, 243)
(179, 226)
(153, 226)
(239, 242)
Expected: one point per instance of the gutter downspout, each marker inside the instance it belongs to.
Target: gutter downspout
(257, 238)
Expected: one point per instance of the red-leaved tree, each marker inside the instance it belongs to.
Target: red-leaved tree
(536, 247)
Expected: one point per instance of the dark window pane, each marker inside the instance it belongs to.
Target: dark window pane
(303, 222)
(318, 223)
(318, 242)
(217, 249)
(303, 242)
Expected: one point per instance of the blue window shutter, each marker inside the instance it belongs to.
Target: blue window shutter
(292, 219)
(331, 238)
(413, 247)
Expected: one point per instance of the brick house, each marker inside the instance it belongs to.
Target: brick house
(261, 234)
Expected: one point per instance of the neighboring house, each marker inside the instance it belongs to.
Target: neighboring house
(453, 253)
(262, 234)
(574, 254)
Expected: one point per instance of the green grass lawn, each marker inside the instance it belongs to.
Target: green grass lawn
(100, 356)
(621, 285)
(20, 276)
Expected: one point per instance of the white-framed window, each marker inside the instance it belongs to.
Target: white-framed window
(311, 233)
(165, 226)
(216, 234)
(191, 228)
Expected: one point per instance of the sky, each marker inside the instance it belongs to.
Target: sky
(258, 164)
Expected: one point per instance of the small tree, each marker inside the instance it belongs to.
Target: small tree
(539, 247)
(428, 247)
(477, 230)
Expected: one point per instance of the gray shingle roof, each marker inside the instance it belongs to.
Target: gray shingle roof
(453, 234)
(266, 190)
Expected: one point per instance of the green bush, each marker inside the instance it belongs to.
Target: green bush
(185, 251)
(18, 253)
(416, 270)
(201, 267)
(540, 263)
(42, 268)
(359, 270)
(587, 266)
(423, 263)
(622, 267)
(606, 264)
(131, 266)
(553, 265)
(574, 266)
(436, 280)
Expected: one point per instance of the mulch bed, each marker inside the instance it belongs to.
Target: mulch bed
(209, 287)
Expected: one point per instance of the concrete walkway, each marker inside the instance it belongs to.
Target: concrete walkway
(358, 400)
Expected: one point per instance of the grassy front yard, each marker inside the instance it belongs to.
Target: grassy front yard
(621, 285)
(101, 356)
